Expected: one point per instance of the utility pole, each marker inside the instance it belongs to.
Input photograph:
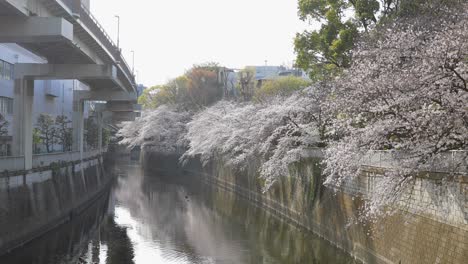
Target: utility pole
(136, 82)
(118, 32)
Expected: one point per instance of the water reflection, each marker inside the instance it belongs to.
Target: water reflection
(168, 222)
(165, 219)
(65, 244)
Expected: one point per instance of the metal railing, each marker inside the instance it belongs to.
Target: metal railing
(97, 29)
(42, 160)
(449, 162)
(314, 152)
(91, 22)
(11, 163)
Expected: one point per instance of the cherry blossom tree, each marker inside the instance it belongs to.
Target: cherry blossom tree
(406, 92)
(280, 131)
(161, 129)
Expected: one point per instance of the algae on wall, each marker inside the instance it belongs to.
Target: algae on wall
(301, 198)
(34, 202)
(277, 240)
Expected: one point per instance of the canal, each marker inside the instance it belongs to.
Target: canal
(158, 218)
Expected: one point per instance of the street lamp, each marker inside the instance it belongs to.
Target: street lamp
(136, 82)
(133, 62)
(118, 31)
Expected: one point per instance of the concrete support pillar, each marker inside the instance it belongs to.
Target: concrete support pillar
(22, 121)
(78, 126)
(99, 123)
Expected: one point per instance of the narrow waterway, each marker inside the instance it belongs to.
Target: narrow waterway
(163, 219)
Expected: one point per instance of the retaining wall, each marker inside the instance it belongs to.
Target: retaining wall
(429, 226)
(36, 201)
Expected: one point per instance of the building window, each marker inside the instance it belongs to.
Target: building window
(6, 70)
(5, 149)
(6, 105)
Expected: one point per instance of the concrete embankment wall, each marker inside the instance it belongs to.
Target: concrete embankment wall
(34, 202)
(430, 224)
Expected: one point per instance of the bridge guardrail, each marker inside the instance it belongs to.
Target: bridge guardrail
(450, 162)
(42, 160)
(11, 163)
(93, 24)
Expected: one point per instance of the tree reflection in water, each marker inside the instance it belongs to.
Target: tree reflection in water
(155, 218)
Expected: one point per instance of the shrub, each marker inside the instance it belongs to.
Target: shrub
(283, 86)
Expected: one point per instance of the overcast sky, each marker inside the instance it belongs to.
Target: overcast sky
(169, 36)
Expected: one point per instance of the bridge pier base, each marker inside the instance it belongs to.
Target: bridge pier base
(78, 126)
(22, 120)
(99, 123)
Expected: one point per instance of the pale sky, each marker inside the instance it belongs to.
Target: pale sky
(169, 36)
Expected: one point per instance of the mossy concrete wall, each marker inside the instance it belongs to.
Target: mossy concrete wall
(429, 226)
(34, 202)
(67, 241)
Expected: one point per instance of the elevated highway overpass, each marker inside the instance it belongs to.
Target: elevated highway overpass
(75, 46)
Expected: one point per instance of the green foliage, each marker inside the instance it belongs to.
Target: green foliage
(366, 11)
(64, 132)
(410, 8)
(203, 86)
(106, 135)
(36, 139)
(156, 96)
(37, 136)
(175, 91)
(91, 133)
(3, 126)
(146, 99)
(55, 167)
(47, 131)
(246, 83)
(200, 86)
(181, 84)
(283, 86)
(50, 131)
(325, 52)
(209, 66)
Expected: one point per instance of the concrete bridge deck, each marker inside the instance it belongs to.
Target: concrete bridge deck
(63, 32)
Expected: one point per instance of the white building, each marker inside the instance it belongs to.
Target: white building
(64, 41)
(51, 97)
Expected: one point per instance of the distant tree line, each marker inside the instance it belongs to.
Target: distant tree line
(207, 83)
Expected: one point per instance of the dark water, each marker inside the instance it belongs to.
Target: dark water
(155, 219)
